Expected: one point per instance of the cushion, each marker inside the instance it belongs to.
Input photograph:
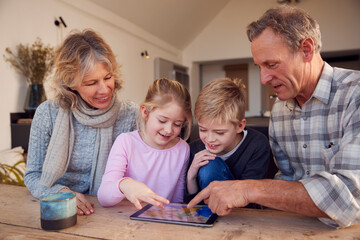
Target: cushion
(12, 166)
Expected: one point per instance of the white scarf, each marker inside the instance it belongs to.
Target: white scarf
(62, 140)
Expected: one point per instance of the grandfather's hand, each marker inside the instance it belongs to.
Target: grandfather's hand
(137, 192)
(222, 196)
(84, 207)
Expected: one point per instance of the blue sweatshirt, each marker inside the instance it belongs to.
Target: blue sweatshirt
(77, 176)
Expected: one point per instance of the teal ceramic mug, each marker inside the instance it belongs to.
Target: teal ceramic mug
(58, 211)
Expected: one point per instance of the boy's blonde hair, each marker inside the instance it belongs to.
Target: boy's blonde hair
(221, 100)
(163, 91)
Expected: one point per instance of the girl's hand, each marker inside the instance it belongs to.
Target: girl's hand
(84, 207)
(137, 192)
(200, 159)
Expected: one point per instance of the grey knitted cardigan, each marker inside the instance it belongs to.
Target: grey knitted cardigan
(78, 174)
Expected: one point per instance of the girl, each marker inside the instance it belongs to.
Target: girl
(153, 158)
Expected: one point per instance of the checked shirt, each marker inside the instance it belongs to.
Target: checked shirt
(319, 144)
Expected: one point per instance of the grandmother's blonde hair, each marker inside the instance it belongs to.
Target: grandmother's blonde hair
(76, 57)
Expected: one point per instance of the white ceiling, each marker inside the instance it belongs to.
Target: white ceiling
(177, 22)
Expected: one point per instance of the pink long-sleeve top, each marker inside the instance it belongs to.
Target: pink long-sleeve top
(163, 171)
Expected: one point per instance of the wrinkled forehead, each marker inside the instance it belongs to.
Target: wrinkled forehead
(269, 45)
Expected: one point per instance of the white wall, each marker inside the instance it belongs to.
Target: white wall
(225, 37)
(21, 21)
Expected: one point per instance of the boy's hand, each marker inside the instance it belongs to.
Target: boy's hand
(137, 192)
(200, 159)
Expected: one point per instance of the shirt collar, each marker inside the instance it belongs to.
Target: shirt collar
(323, 88)
(227, 155)
(322, 91)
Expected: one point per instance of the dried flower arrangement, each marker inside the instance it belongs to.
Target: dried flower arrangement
(35, 62)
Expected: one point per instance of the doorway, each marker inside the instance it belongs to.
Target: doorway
(239, 71)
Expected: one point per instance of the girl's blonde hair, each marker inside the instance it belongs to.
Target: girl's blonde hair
(75, 58)
(221, 100)
(163, 91)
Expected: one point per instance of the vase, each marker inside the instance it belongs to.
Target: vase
(34, 96)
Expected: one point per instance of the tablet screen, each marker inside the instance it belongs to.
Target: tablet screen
(177, 213)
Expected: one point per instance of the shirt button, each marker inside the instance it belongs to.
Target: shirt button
(307, 172)
(304, 146)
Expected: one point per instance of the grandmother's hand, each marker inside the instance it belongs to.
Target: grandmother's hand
(137, 192)
(84, 207)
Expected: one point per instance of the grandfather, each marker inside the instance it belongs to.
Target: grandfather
(314, 126)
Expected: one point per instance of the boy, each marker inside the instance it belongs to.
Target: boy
(225, 150)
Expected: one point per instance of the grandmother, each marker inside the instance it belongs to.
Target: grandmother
(72, 134)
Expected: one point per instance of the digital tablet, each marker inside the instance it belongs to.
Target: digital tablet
(177, 213)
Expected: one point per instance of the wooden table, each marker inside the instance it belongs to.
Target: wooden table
(20, 219)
